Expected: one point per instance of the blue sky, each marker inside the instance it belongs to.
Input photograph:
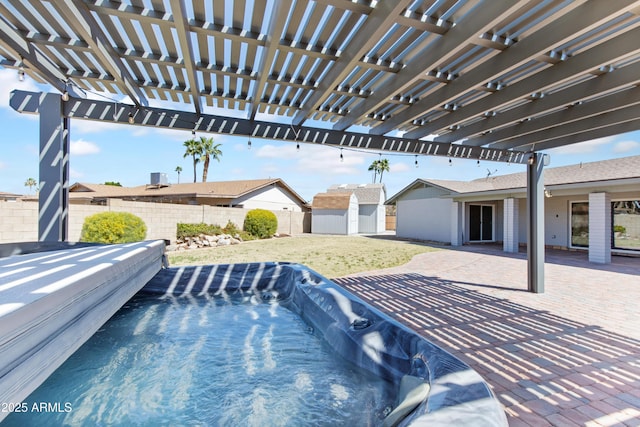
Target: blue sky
(128, 154)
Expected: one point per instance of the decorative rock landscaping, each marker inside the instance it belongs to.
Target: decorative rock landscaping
(206, 241)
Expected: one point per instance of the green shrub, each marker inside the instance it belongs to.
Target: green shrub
(113, 227)
(231, 228)
(193, 230)
(261, 223)
(619, 229)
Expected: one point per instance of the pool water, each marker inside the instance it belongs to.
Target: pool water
(228, 361)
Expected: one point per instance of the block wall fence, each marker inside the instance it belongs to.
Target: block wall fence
(19, 219)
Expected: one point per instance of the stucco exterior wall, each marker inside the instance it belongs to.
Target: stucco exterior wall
(422, 215)
(274, 198)
(19, 220)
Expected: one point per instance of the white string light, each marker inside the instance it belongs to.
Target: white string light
(21, 72)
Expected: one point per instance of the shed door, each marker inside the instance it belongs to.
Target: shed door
(480, 223)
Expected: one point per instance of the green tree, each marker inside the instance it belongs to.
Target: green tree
(114, 183)
(178, 169)
(383, 166)
(374, 168)
(30, 182)
(379, 167)
(208, 151)
(193, 149)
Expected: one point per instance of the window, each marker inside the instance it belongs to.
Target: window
(580, 224)
(626, 224)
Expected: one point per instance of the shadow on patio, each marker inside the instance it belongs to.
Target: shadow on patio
(545, 369)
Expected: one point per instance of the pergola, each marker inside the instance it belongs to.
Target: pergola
(477, 79)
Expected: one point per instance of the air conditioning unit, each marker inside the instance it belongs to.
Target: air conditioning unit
(159, 179)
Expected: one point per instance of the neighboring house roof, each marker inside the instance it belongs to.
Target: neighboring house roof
(626, 168)
(333, 201)
(219, 190)
(11, 196)
(367, 194)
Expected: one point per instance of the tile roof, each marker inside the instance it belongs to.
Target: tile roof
(337, 200)
(367, 194)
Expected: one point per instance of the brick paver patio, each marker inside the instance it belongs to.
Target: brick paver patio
(567, 357)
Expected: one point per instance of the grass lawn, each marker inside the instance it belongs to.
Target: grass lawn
(331, 256)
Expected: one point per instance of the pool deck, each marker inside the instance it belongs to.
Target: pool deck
(567, 357)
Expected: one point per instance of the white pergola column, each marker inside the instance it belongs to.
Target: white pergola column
(53, 196)
(511, 214)
(600, 228)
(456, 224)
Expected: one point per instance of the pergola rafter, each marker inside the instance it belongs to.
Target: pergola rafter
(454, 71)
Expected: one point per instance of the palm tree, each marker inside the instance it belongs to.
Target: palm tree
(194, 150)
(208, 151)
(383, 166)
(30, 182)
(374, 168)
(379, 167)
(178, 169)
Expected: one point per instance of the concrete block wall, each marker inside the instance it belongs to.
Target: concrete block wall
(19, 220)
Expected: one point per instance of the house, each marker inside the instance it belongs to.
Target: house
(334, 213)
(271, 194)
(371, 209)
(590, 206)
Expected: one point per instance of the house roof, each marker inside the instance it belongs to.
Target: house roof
(336, 200)
(3, 193)
(367, 194)
(220, 189)
(602, 171)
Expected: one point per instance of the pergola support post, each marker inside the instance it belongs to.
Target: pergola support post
(535, 222)
(511, 219)
(53, 200)
(600, 228)
(457, 237)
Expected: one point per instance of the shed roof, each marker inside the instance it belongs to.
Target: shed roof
(333, 201)
(367, 194)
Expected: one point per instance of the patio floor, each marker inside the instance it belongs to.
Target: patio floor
(567, 357)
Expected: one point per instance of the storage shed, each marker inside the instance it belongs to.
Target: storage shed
(334, 213)
(371, 209)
